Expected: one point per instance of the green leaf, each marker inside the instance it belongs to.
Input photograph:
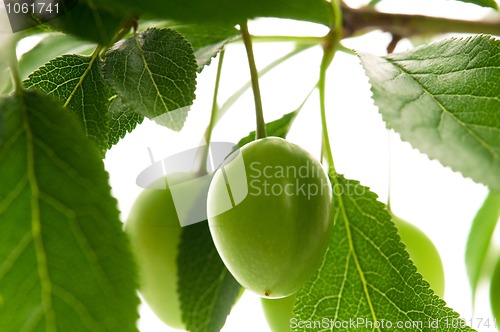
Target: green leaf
(480, 236)
(366, 277)
(7, 42)
(443, 99)
(77, 81)
(373, 3)
(50, 47)
(225, 11)
(207, 290)
(87, 21)
(277, 128)
(154, 72)
(122, 121)
(207, 40)
(65, 264)
(5, 78)
(483, 3)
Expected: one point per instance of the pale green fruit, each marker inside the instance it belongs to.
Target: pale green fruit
(154, 232)
(423, 253)
(278, 312)
(275, 238)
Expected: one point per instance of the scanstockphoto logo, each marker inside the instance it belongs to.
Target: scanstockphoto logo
(19, 15)
(190, 189)
(266, 180)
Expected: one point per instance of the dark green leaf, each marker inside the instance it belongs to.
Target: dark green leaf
(277, 128)
(225, 11)
(65, 264)
(30, 15)
(207, 290)
(154, 72)
(480, 236)
(483, 3)
(77, 81)
(87, 21)
(443, 98)
(122, 121)
(207, 40)
(366, 276)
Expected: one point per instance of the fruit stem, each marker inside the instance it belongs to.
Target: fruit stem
(390, 48)
(331, 41)
(327, 149)
(125, 29)
(213, 117)
(218, 112)
(231, 100)
(298, 40)
(260, 132)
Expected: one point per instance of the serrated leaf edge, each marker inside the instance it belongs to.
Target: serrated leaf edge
(401, 136)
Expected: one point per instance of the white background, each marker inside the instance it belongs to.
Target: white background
(423, 192)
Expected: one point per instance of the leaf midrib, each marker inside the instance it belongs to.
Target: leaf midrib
(352, 250)
(79, 85)
(150, 73)
(36, 225)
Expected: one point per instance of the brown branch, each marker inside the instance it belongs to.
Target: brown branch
(360, 21)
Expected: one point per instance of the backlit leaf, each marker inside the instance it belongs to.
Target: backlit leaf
(367, 281)
(122, 121)
(277, 128)
(480, 236)
(444, 100)
(65, 263)
(77, 81)
(483, 3)
(154, 73)
(51, 46)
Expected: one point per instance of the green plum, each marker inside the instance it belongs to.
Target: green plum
(273, 239)
(278, 312)
(423, 253)
(154, 231)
